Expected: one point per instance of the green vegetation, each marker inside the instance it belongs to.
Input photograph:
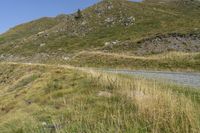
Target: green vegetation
(1, 38)
(91, 32)
(78, 14)
(70, 100)
(36, 98)
(62, 39)
(24, 31)
(174, 61)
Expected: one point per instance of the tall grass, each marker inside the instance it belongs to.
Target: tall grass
(63, 100)
(158, 109)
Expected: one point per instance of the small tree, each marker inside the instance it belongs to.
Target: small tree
(78, 14)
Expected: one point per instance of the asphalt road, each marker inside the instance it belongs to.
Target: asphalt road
(182, 78)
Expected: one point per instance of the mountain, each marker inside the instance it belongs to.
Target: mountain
(43, 91)
(117, 26)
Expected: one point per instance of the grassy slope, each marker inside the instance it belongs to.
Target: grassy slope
(173, 61)
(52, 99)
(151, 18)
(30, 28)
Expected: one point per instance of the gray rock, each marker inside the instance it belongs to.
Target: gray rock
(112, 43)
(84, 23)
(107, 43)
(129, 21)
(109, 20)
(110, 7)
(65, 58)
(42, 44)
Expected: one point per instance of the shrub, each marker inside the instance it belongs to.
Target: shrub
(52, 86)
(78, 14)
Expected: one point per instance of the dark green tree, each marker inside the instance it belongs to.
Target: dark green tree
(78, 14)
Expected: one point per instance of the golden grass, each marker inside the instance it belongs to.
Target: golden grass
(157, 107)
(175, 55)
(171, 61)
(64, 100)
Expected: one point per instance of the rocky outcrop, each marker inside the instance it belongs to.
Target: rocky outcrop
(169, 42)
(158, 44)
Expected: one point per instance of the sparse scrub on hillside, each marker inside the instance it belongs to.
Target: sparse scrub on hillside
(103, 22)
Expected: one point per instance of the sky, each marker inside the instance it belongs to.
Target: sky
(15, 12)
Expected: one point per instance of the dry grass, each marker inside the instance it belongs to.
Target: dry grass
(63, 100)
(173, 61)
(160, 110)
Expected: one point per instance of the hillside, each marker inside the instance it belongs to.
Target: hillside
(111, 26)
(57, 74)
(36, 98)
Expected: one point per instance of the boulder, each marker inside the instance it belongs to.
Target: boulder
(42, 44)
(107, 43)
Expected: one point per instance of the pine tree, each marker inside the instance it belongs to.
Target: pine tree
(78, 14)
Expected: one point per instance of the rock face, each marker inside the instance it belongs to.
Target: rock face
(129, 21)
(170, 42)
(158, 44)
